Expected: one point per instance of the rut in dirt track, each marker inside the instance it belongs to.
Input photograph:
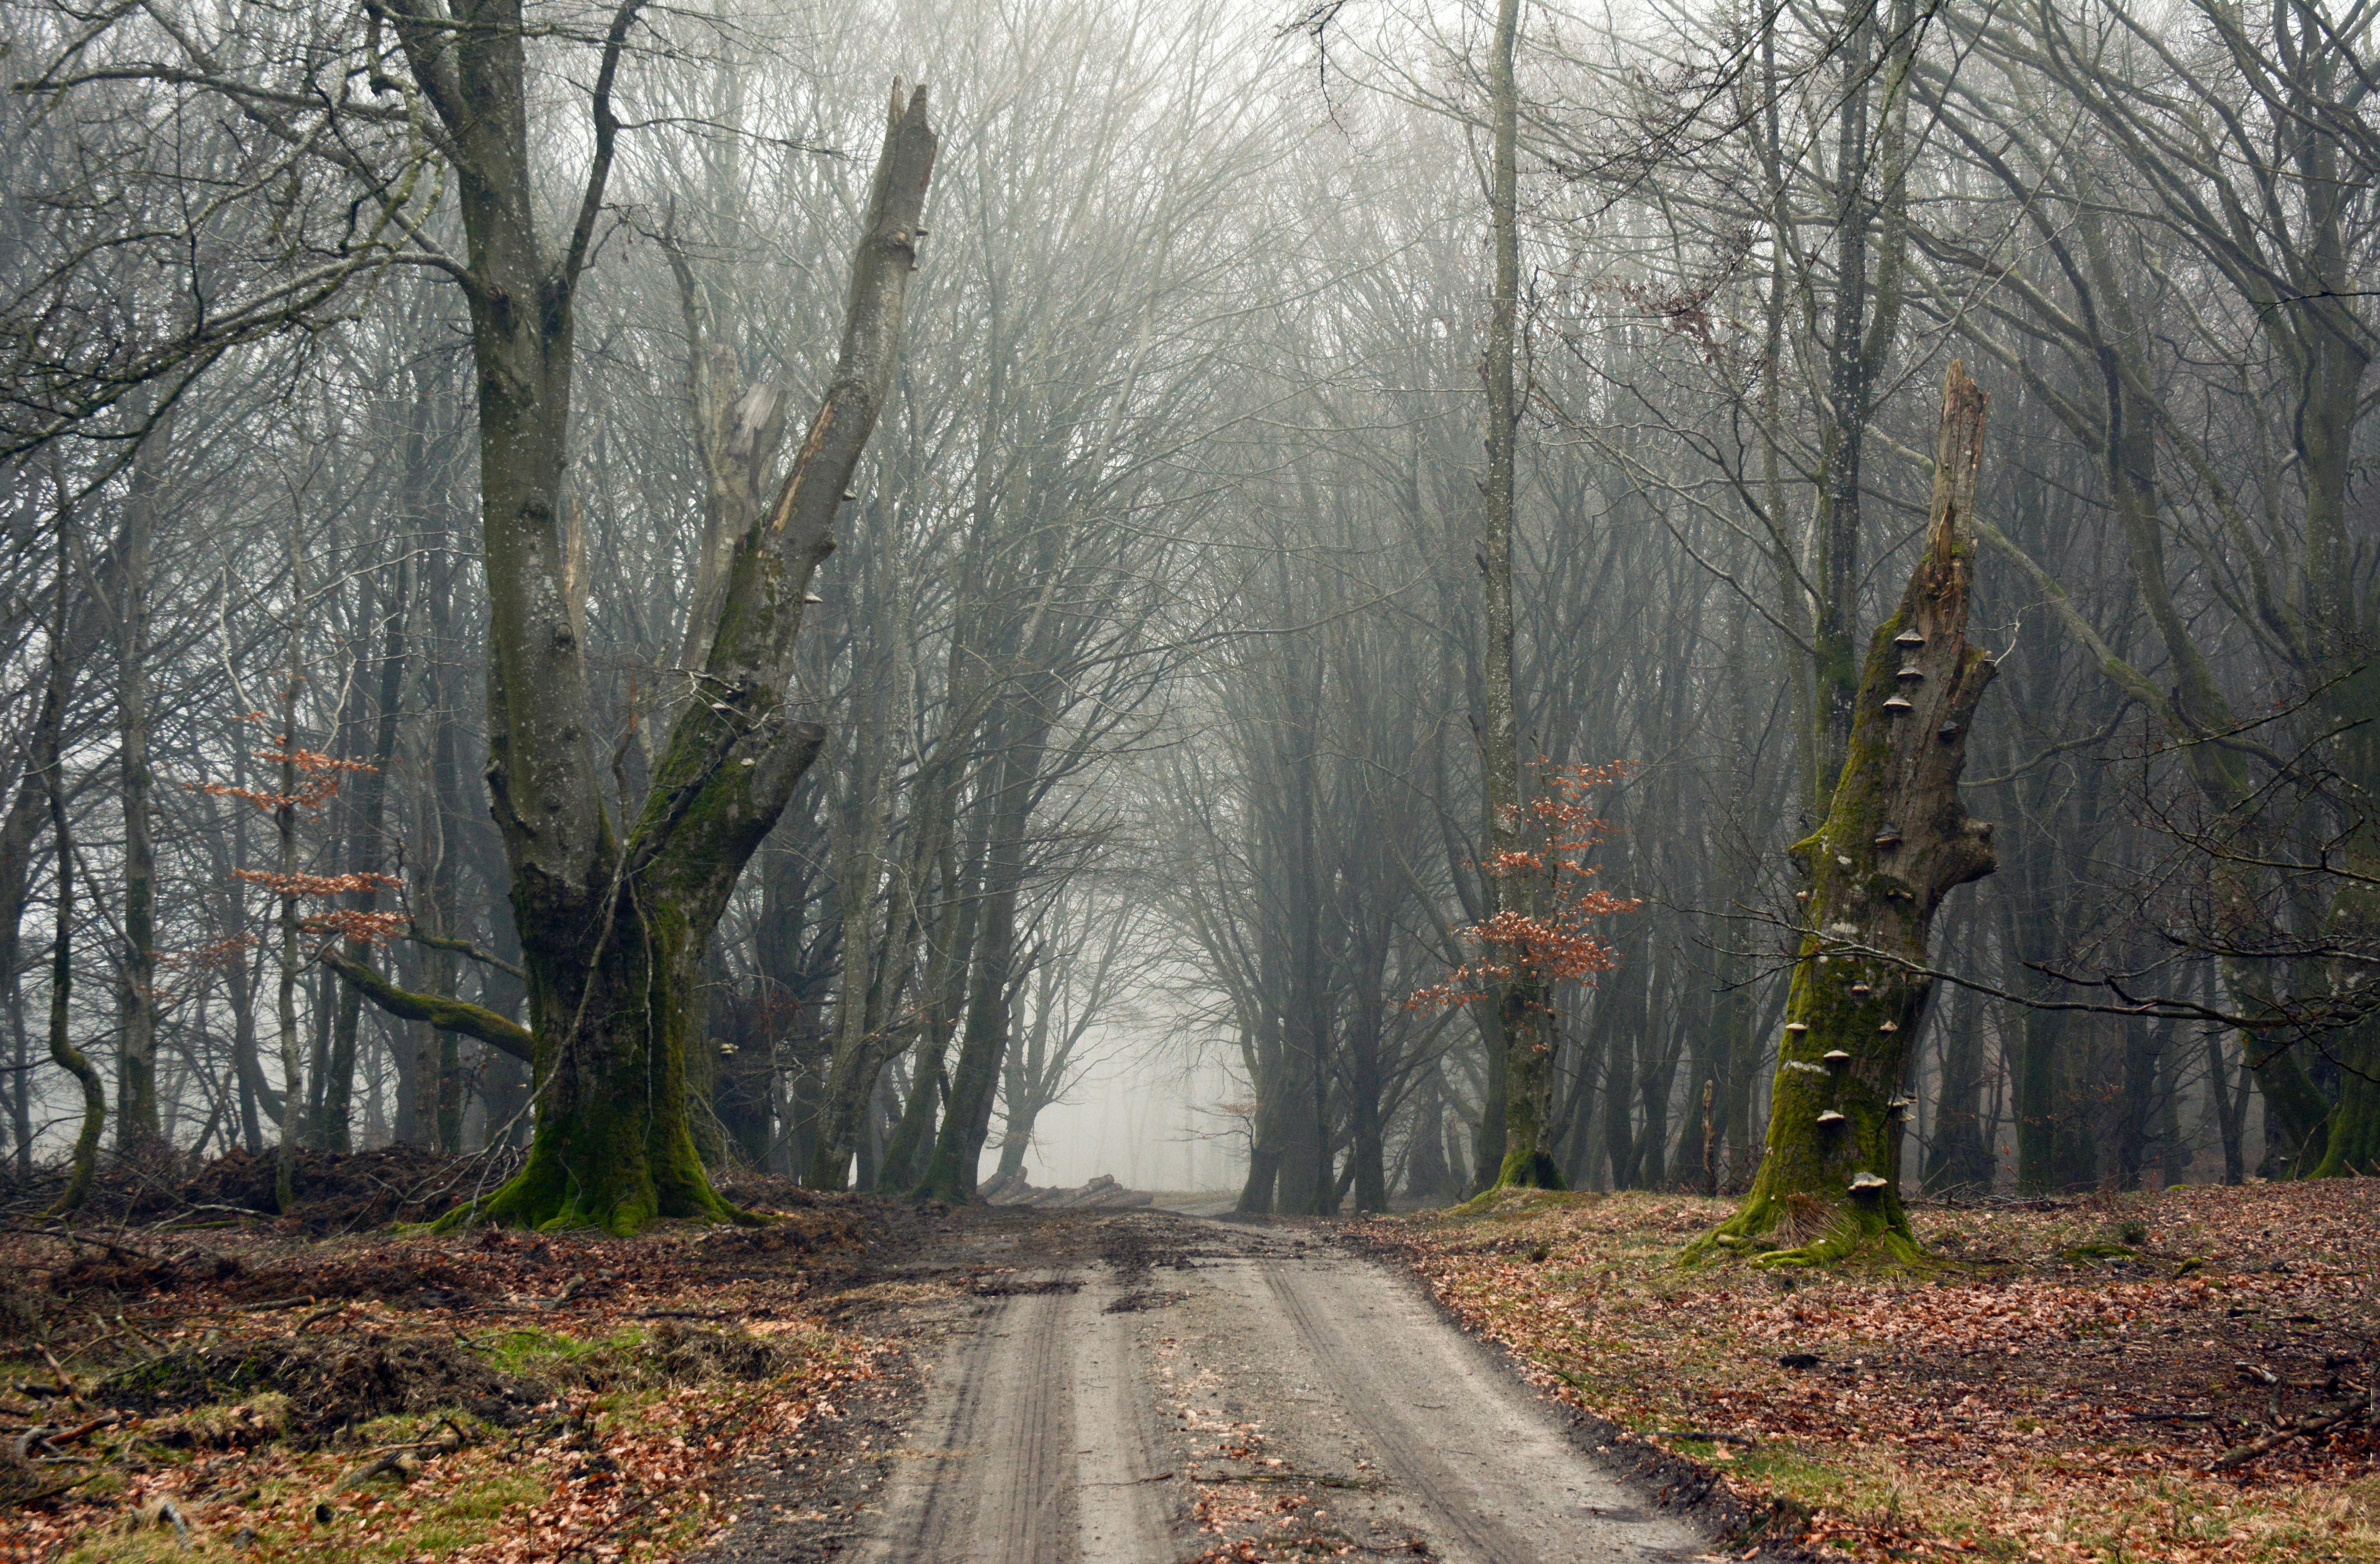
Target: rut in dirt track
(1109, 1412)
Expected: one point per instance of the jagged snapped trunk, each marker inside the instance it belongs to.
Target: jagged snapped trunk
(1896, 841)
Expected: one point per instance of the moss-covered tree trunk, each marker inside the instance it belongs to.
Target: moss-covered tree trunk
(1896, 841)
(613, 926)
(613, 952)
(2352, 1148)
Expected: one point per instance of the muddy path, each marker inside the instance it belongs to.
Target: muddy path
(1149, 1388)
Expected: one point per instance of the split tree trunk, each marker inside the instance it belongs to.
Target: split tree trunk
(1895, 842)
(612, 926)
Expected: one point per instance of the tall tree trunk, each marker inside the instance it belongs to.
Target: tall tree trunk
(1021, 1082)
(958, 1143)
(1522, 1002)
(1367, 1152)
(1626, 1014)
(614, 928)
(2173, 1145)
(2137, 1115)
(368, 815)
(1958, 1156)
(284, 827)
(1429, 1178)
(21, 827)
(2040, 1048)
(137, 1119)
(1306, 1025)
(944, 999)
(1263, 1051)
(49, 764)
(2228, 1102)
(1897, 839)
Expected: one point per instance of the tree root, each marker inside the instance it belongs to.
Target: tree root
(1846, 1240)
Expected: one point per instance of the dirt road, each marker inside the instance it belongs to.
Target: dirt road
(1171, 1386)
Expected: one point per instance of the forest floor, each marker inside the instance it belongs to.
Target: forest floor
(864, 1379)
(875, 1379)
(2057, 1389)
(211, 1382)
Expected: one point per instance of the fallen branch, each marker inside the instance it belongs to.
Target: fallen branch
(65, 1383)
(404, 1460)
(84, 1430)
(2265, 1444)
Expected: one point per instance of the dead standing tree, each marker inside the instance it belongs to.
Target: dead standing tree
(1896, 841)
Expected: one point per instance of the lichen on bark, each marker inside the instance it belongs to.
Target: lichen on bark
(1896, 840)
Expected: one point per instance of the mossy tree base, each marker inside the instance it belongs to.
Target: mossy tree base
(1532, 1169)
(1896, 840)
(1524, 1018)
(1873, 1230)
(615, 1145)
(2352, 1142)
(548, 1195)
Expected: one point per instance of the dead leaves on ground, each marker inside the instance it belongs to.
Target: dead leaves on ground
(2057, 1392)
(673, 1357)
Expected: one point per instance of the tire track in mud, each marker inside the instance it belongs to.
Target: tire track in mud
(1452, 1516)
(997, 1486)
(1483, 1461)
(1059, 1428)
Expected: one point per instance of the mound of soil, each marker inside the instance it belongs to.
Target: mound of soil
(126, 1274)
(694, 1357)
(802, 1232)
(763, 1192)
(1102, 1193)
(336, 1192)
(331, 1381)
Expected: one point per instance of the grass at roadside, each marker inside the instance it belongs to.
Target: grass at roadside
(2056, 1390)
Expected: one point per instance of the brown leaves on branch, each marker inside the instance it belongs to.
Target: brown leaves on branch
(1554, 944)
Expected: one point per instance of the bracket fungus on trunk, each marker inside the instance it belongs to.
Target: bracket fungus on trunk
(1897, 839)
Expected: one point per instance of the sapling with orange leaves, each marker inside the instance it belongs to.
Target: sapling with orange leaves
(1541, 938)
(308, 781)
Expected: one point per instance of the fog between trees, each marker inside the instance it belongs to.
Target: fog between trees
(414, 399)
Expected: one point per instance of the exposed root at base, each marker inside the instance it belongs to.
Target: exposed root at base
(1849, 1237)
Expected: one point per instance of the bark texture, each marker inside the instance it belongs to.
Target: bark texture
(1896, 841)
(613, 925)
(1523, 1004)
(49, 764)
